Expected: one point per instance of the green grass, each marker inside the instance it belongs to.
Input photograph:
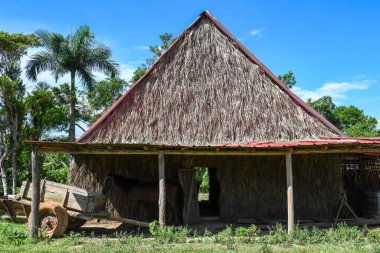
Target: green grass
(14, 238)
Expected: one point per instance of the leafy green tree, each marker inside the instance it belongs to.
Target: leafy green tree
(12, 48)
(12, 91)
(157, 50)
(55, 167)
(354, 122)
(11, 100)
(102, 96)
(45, 112)
(326, 107)
(77, 54)
(4, 149)
(288, 79)
(350, 119)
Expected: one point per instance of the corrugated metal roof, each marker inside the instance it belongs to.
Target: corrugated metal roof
(307, 143)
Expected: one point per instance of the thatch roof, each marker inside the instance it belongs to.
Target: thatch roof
(208, 89)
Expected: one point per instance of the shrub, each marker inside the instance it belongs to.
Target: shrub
(299, 235)
(247, 234)
(277, 235)
(344, 233)
(168, 234)
(226, 237)
(373, 235)
(13, 234)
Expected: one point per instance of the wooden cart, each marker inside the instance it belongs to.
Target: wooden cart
(62, 207)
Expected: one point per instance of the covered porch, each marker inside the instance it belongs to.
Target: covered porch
(288, 150)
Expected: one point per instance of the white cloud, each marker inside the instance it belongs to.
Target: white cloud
(258, 32)
(335, 90)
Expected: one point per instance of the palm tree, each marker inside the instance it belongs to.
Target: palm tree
(77, 54)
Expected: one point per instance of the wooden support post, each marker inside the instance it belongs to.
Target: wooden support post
(162, 190)
(35, 194)
(289, 181)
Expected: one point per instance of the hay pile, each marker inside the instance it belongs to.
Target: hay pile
(250, 186)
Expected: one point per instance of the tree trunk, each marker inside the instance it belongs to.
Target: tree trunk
(73, 100)
(72, 108)
(14, 154)
(3, 171)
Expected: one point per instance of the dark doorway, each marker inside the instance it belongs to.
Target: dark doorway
(208, 191)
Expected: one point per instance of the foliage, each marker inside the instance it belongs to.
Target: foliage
(247, 234)
(342, 239)
(12, 48)
(45, 112)
(12, 93)
(139, 72)
(102, 95)
(288, 79)
(350, 119)
(226, 237)
(168, 234)
(202, 178)
(78, 54)
(157, 50)
(11, 234)
(55, 167)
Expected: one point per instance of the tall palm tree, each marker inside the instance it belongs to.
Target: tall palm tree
(77, 54)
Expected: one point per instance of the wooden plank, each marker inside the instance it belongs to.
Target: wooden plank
(190, 197)
(190, 208)
(9, 211)
(129, 221)
(162, 190)
(289, 181)
(181, 181)
(36, 194)
(77, 202)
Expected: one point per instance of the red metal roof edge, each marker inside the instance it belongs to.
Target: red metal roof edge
(254, 144)
(246, 52)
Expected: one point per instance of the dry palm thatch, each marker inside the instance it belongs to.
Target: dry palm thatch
(250, 186)
(205, 90)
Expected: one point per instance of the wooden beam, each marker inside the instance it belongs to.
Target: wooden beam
(162, 190)
(289, 181)
(35, 194)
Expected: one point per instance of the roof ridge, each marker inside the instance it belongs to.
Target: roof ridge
(243, 49)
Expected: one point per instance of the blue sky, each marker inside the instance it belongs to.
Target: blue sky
(333, 47)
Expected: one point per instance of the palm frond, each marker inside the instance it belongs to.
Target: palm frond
(82, 39)
(40, 62)
(99, 60)
(86, 77)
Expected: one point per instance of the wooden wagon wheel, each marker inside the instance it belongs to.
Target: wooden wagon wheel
(52, 218)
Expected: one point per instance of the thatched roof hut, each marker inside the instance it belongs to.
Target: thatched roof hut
(208, 89)
(208, 102)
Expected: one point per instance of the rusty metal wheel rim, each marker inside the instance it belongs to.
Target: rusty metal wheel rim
(48, 221)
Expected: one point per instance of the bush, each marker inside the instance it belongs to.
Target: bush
(344, 233)
(247, 234)
(13, 234)
(373, 235)
(226, 237)
(277, 235)
(168, 234)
